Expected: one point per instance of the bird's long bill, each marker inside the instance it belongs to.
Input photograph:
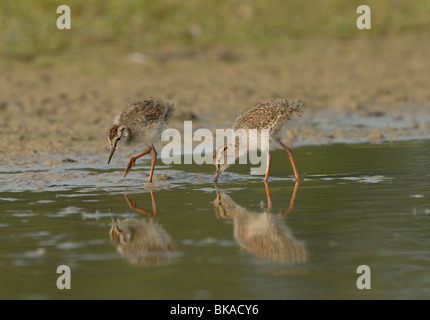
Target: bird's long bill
(112, 151)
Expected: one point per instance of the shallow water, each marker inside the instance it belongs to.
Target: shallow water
(360, 204)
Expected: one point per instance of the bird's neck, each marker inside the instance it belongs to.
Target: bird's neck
(240, 150)
(127, 136)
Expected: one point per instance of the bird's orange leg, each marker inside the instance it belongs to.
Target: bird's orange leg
(269, 164)
(154, 205)
(290, 155)
(133, 206)
(293, 198)
(154, 157)
(269, 197)
(133, 159)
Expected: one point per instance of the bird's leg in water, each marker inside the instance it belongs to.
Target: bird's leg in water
(133, 206)
(290, 155)
(133, 159)
(269, 197)
(154, 157)
(293, 198)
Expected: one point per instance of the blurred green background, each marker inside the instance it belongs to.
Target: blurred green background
(28, 28)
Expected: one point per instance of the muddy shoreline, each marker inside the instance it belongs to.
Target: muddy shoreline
(362, 90)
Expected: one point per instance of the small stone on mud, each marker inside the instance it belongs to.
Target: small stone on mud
(68, 160)
(375, 135)
(200, 179)
(150, 186)
(186, 115)
(376, 113)
(337, 134)
(161, 177)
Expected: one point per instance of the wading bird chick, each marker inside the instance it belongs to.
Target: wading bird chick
(141, 122)
(143, 241)
(262, 234)
(271, 116)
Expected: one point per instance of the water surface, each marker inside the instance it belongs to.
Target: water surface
(360, 204)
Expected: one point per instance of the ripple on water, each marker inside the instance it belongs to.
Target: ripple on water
(361, 179)
(24, 214)
(70, 245)
(209, 241)
(32, 254)
(9, 199)
(65, 212)
(417, 196)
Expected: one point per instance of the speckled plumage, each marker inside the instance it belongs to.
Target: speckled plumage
(270, 115)
(145, 120)
(141, 121)
(262, 234)
(143, 242)
(251, 124)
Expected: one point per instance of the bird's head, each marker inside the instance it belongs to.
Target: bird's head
(115, 135)
(222, 159)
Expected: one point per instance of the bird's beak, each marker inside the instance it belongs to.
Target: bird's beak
(112, 151)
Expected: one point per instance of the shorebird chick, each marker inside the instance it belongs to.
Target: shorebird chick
(263, 234)
(140, 122)
(270, 116)
(143, 241)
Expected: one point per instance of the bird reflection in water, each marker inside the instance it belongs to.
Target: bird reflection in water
(143, 241)
(262, 234)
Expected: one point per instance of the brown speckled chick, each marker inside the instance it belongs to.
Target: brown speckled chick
(141, 122)
(271, 116)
